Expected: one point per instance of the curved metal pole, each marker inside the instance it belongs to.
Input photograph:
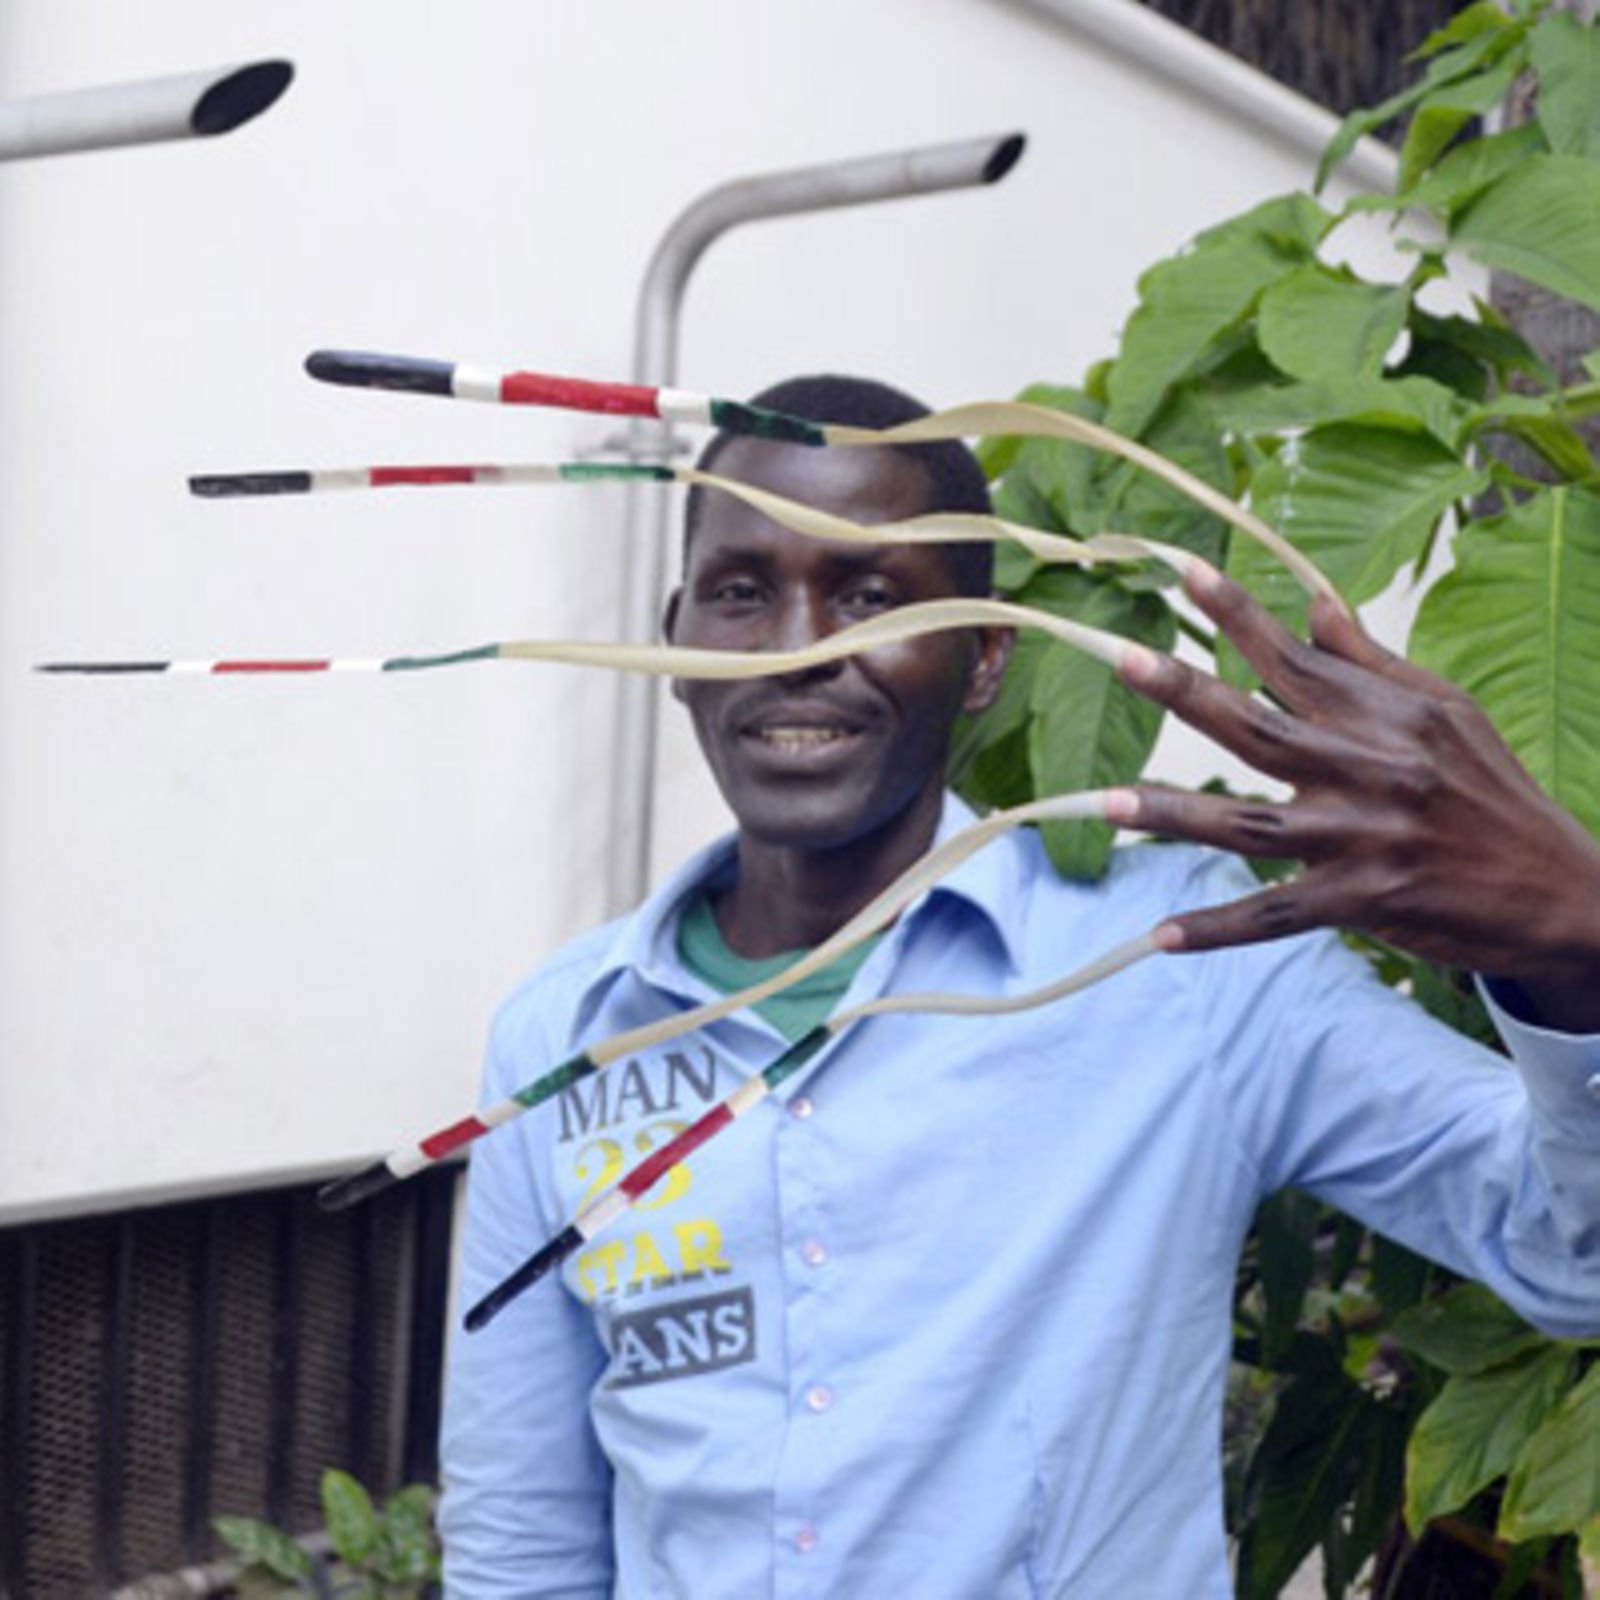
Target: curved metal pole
(968, 163)
(189, 106)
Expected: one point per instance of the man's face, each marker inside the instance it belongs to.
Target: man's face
(822, 758)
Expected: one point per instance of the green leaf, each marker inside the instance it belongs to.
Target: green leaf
(1305, 1466)
(1132, 501)
(1473, 54)
(347, 1510)
(1399, 1276)
(1443, 113)
(1466, 1331)
(1517, 625)
(1407, 404)
(1360, 501)
(260, 1544)
(1490, 340)
(1313, 324)
(1591, 364)
(1566, 55)
(1539, 423)
(1086, 730)
(1475, 1430)
(1483, 16)
(1462, 174)
(410, 1549)
(1541, 221)
(1555, 1484)
(1589, 1555)
(1195, 298)
(1286, 1232)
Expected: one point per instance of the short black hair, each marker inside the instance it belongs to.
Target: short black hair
(955, 481)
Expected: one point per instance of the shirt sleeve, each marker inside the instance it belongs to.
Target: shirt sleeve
(1346, 1089)
(527, 1491)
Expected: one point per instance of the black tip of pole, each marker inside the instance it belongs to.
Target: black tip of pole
(228, 485)
(1004, 157)
(343, 1193)
(101, 668)
(529, 1273)
(363, 370)
(241, 95)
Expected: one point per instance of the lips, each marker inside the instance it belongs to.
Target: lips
(799, 729)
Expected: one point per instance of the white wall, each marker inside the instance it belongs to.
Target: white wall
(254, 929)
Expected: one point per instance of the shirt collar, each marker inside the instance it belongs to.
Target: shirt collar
(990, 882)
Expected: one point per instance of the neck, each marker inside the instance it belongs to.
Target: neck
(789, 897)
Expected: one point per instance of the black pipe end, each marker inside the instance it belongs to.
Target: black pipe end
(240, 96)
(1006, 155)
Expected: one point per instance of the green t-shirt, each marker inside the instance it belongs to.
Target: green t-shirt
(794, 1012)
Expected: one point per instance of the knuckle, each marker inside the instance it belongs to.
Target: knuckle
(1261, 825)
(1412, 781)
(1269, 725)
(1278, 913)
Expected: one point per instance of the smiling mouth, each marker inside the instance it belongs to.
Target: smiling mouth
(799, 737)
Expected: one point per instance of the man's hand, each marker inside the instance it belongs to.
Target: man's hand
(1414, 821)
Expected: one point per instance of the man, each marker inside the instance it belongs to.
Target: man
(951, 1319)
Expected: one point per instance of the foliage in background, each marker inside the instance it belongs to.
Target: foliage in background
(387, 1555)
(1359, 417)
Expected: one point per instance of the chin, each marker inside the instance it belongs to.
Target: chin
(794, 819)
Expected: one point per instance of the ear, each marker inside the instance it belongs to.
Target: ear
(994, 652)
(669, 629)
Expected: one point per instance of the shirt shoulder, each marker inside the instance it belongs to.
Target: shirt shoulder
(541, 1007)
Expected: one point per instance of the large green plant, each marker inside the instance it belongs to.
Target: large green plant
(1360, 418)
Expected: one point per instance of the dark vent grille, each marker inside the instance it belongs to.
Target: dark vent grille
(165, 1366)
(1340, 53)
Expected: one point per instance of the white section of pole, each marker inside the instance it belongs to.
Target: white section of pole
(966, 163)
(188, 106)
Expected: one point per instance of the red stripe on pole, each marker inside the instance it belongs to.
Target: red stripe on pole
(680, 1149)
(577, 394)
(386, 477)
(271, 666)
(440, 1144)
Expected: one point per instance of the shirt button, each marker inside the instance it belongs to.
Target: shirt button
(819, 1397)
(805, 1539)
(1593, 1086)
(800, 1108)
(813, 1252)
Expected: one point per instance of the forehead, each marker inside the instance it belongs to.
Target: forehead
(867, 485)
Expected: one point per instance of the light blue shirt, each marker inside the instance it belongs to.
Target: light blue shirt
(949, 1319)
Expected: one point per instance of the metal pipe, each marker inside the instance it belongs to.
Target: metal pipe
(188, 106)
(968, 163)
(1183, 58)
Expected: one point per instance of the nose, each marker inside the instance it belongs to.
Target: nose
(803, 620)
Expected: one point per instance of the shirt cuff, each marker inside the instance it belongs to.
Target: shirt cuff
(1562, 1070)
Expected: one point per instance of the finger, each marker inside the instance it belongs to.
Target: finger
(1339, 633)
(1277, 912)
(1312, 681)
(1270, 738)
(1262, 829)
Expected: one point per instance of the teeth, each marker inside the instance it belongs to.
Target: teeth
(799, 738)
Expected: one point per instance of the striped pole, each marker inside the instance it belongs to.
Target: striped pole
(239, 485)
(669, 661)
(459, 380)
